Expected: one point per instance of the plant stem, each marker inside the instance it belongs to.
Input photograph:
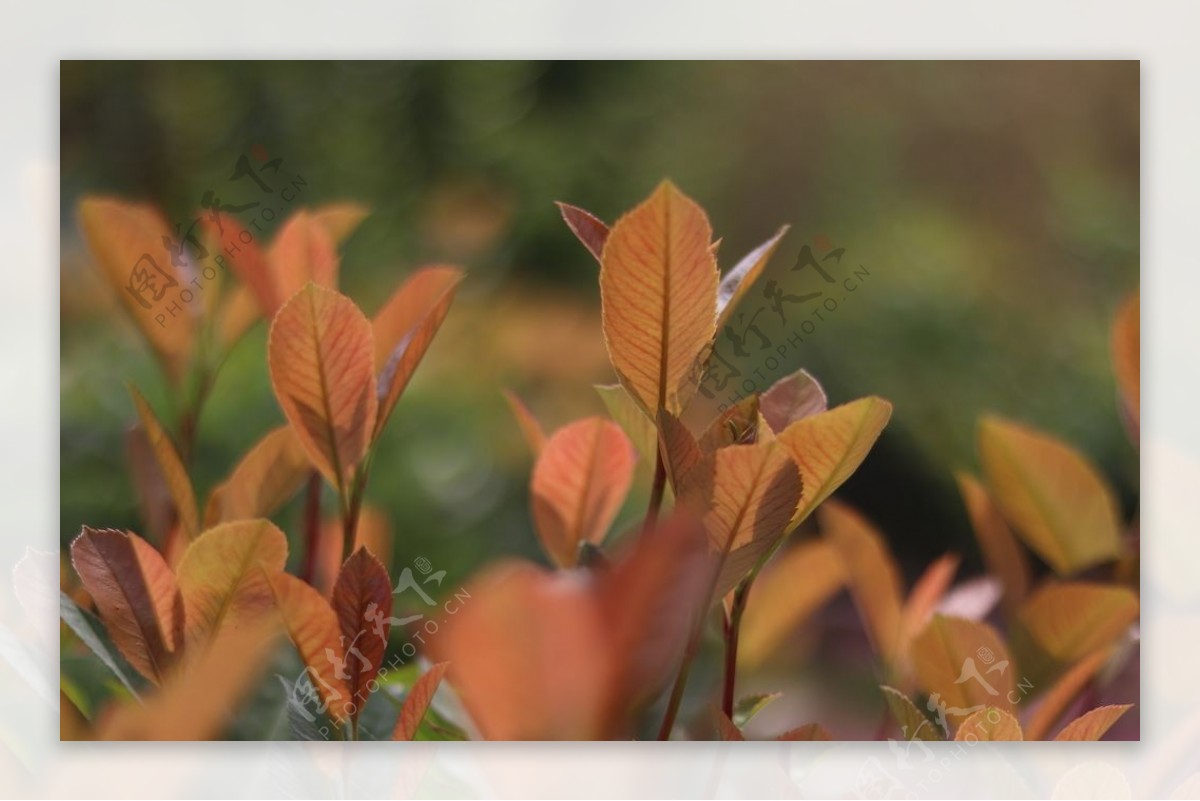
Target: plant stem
(312, 525)
(732, 627)
(350, 522)
(656, 491)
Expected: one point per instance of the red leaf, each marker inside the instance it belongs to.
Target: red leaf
(362, 599)
(587, 227)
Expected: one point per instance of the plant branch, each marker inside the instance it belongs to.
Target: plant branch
(732, 626)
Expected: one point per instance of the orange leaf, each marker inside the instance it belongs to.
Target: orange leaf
(303, 251)
(658, 290)
(128, 240)
(792, 398)
(790, 589)
(739, 280)
(989, 724)
(154, 498)
(966, 664)
(416, 703)
(587, 227)
(579, 483)
(1056, 700)
(1094, 724)
(313, 628)
(340, 220)
(362, 600)
(1056, 500)
(535, 436)
(221, 576)
(169, 464)
(1126, 352)
(319, 354)
(682, 456)
(239, 250)
(264, 480)
(136, 595)
(831, 445)
(874, 579)
(236, 313)
(405, 327)
(1003, 554)
(926, 593)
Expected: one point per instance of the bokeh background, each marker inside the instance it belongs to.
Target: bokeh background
(994, 204)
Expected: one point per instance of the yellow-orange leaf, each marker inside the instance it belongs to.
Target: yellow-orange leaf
(966, 663)
(266, 477)
(1126, 351)
(831, 445)
(1059, 504)
(926, 593)
(222, 578)
(416, 703)
(1056, 700)
(128, 240)
(404, 328)
(1064, 622)
(362, 600)
(301, 252)
(313, 628)
(792, 398)
(169, 464)
(579, 483)
(587, 227)
(790, 589)
(319, 354)
(739, 280)
(683, 459)
(1003, 554)
(989, 724)
(136, 595)
(1094, 724)
(658, 293)
(532, 430)
(874, 579)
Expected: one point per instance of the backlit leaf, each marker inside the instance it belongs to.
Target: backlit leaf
(579, 483)
(1095, 724)
(301, 252)
(587, 227)
(362, 600)
(741, 278)
(1054, 702)
(137, 597)
(658, 290)
(404, 328)
(788, 591)
(683, 457)
(340, 220)
(416, 703)
(169, 464)
(1126, 352)
(127, 241)
(632, 420)
(874, 578)
(966, 663)
(913, 724)
(222, 578)
(746, 708)
(989, 724)
(831, 445)
(927, 593)
(1058, 503)
(319, 354)
(792, 398)
(235, 314)
(313, 628)
(531, 429)
(263, 481)
(1003, 554)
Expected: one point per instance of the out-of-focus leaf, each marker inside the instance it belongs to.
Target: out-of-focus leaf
(531, 429)
(746, 708)
(789, 590)
(235, 314)
(1058, 503)
(1095, 724)
(72, 725)
(340, 220)
(1063, 622)
(792, 398)
(727, 730)
(587, 227)
(632, 420)
(313, 628)
(579, 483)
(831, 445)
(1126, 352)
(127, 240)
(658, 293)
(989, 724)
(874, 579)
(264, 480)
(362, 600)
(1054, 702)
(1003, 554)
(417, 702)
(809, 732)
(404, 328)
(319, 355)
(240, 250)
(966, 663)
(973, 599)
(913, 724)
(303, 251)
(169, 464)
(737, 425)
(926, 593)
(222, 576)
(137, 596)
(199, 701)
(739, 280)
(374, 533)
(93, 636)
(154, 497)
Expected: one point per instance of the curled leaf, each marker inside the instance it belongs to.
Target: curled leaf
(587, 227)
(738, 281)
(416, 703)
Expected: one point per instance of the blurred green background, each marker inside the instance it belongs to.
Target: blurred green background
(994, 204)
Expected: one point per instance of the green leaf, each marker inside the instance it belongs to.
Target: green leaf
(750, 706)
(92, 633)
